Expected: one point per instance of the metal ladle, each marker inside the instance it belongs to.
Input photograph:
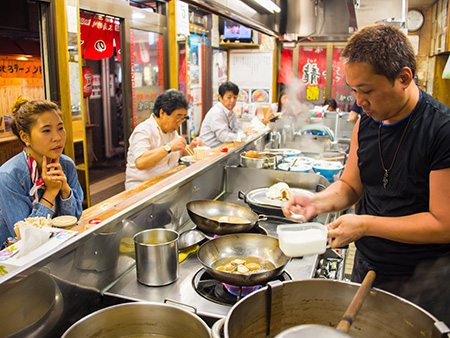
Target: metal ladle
(322, 331)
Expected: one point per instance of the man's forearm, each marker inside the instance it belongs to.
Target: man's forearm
(150, 158)
(338, 196)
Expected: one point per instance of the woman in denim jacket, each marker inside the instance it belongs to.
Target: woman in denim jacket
(39, 181)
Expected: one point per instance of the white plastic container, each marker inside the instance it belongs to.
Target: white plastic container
(304, 239)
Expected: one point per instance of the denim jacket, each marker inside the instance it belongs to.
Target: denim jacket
(16, 202)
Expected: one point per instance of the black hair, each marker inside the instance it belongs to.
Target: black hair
(169, 101)
(383, 46)
(228, 86)
(280, 105)
(331, 103)
(230, 24)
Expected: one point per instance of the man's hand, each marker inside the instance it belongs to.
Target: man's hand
(300, 205)
(346, 229)
(178, 144)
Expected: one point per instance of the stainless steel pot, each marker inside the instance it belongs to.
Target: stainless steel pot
(243, 245)
(266, 160)
(283, 305)
(156, 256)
(140, 319)
(30, 308)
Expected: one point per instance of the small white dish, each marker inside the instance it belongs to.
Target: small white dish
(64, 221)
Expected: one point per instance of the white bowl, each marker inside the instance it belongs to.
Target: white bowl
(187, 160)
(304, 239)
(298, 167)
(64, 221)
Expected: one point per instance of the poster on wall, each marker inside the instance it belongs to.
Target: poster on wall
(220, 71)
(340, 91)
(312, 68)
(245, 70)
(96, 86)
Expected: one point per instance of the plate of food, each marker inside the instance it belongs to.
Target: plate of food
(275, 195)
(260, 95)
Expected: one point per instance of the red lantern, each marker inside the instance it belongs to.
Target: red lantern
(87, 81)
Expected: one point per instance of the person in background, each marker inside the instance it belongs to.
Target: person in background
(221, 123)
(331, 103)
(282, 100)
(398, 173)
(155, 145)
(39, 181)
(355, 113)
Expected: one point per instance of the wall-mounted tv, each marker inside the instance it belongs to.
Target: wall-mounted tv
(233, 31)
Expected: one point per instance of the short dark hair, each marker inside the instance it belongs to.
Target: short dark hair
(169, 101)
(230, 24)
(228, 86)
(331, 103)
(383, 46)
(26, 111)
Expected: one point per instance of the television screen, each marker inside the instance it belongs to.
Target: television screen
(235, 31)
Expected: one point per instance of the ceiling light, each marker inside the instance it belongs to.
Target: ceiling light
(137, 15)
(269, 5)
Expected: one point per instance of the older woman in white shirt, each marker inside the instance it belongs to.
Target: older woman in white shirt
(155, 145)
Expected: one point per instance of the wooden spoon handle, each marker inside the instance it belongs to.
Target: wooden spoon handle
(356, 303)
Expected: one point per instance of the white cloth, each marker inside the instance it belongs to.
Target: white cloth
(220, 125)
(147, 136)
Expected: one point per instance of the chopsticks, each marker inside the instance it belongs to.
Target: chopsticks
(189, 151)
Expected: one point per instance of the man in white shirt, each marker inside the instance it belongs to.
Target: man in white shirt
(221, 123)
(155, 145)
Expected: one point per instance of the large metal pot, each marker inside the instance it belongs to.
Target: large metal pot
(140, 319)
(243, 245)
(30, 308)
(282, 305)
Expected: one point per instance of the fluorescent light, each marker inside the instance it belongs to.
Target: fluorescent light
(269, 5)
(137, 15)
(240, 7)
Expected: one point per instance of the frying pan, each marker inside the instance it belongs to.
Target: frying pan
(202, 212)
(243, 245)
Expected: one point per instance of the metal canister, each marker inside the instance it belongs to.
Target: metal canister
(156, 256)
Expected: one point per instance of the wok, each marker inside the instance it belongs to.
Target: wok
(243, 245)
(203, 211)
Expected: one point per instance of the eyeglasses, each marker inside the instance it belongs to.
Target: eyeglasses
(181, 118)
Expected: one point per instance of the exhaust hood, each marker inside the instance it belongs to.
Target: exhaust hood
(317, 20)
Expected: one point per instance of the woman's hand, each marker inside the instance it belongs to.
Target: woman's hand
(346, 229)
(54, 177)
(300, 205)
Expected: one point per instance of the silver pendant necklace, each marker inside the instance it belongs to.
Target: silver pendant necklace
(385, 179)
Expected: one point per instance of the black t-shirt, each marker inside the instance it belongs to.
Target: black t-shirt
(426, 147)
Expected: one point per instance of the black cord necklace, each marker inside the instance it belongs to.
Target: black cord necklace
(387, 170)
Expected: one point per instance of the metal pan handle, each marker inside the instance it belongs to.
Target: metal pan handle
(242, 196)
(168, 301)
(274, 218)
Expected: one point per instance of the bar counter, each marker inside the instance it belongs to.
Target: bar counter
(111, 213)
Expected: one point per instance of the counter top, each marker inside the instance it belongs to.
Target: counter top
(119, 202)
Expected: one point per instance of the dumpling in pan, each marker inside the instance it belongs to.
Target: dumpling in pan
(279, 191)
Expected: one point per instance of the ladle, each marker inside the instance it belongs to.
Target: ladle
(319, 331)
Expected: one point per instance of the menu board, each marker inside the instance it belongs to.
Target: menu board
(252, 72)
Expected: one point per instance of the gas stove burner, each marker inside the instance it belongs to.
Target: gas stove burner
(221, 293)
(255, 230)
(241, 291)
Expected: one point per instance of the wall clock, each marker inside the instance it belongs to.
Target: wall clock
(415, 20)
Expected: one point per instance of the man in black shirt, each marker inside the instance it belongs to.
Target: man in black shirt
(398, 173)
